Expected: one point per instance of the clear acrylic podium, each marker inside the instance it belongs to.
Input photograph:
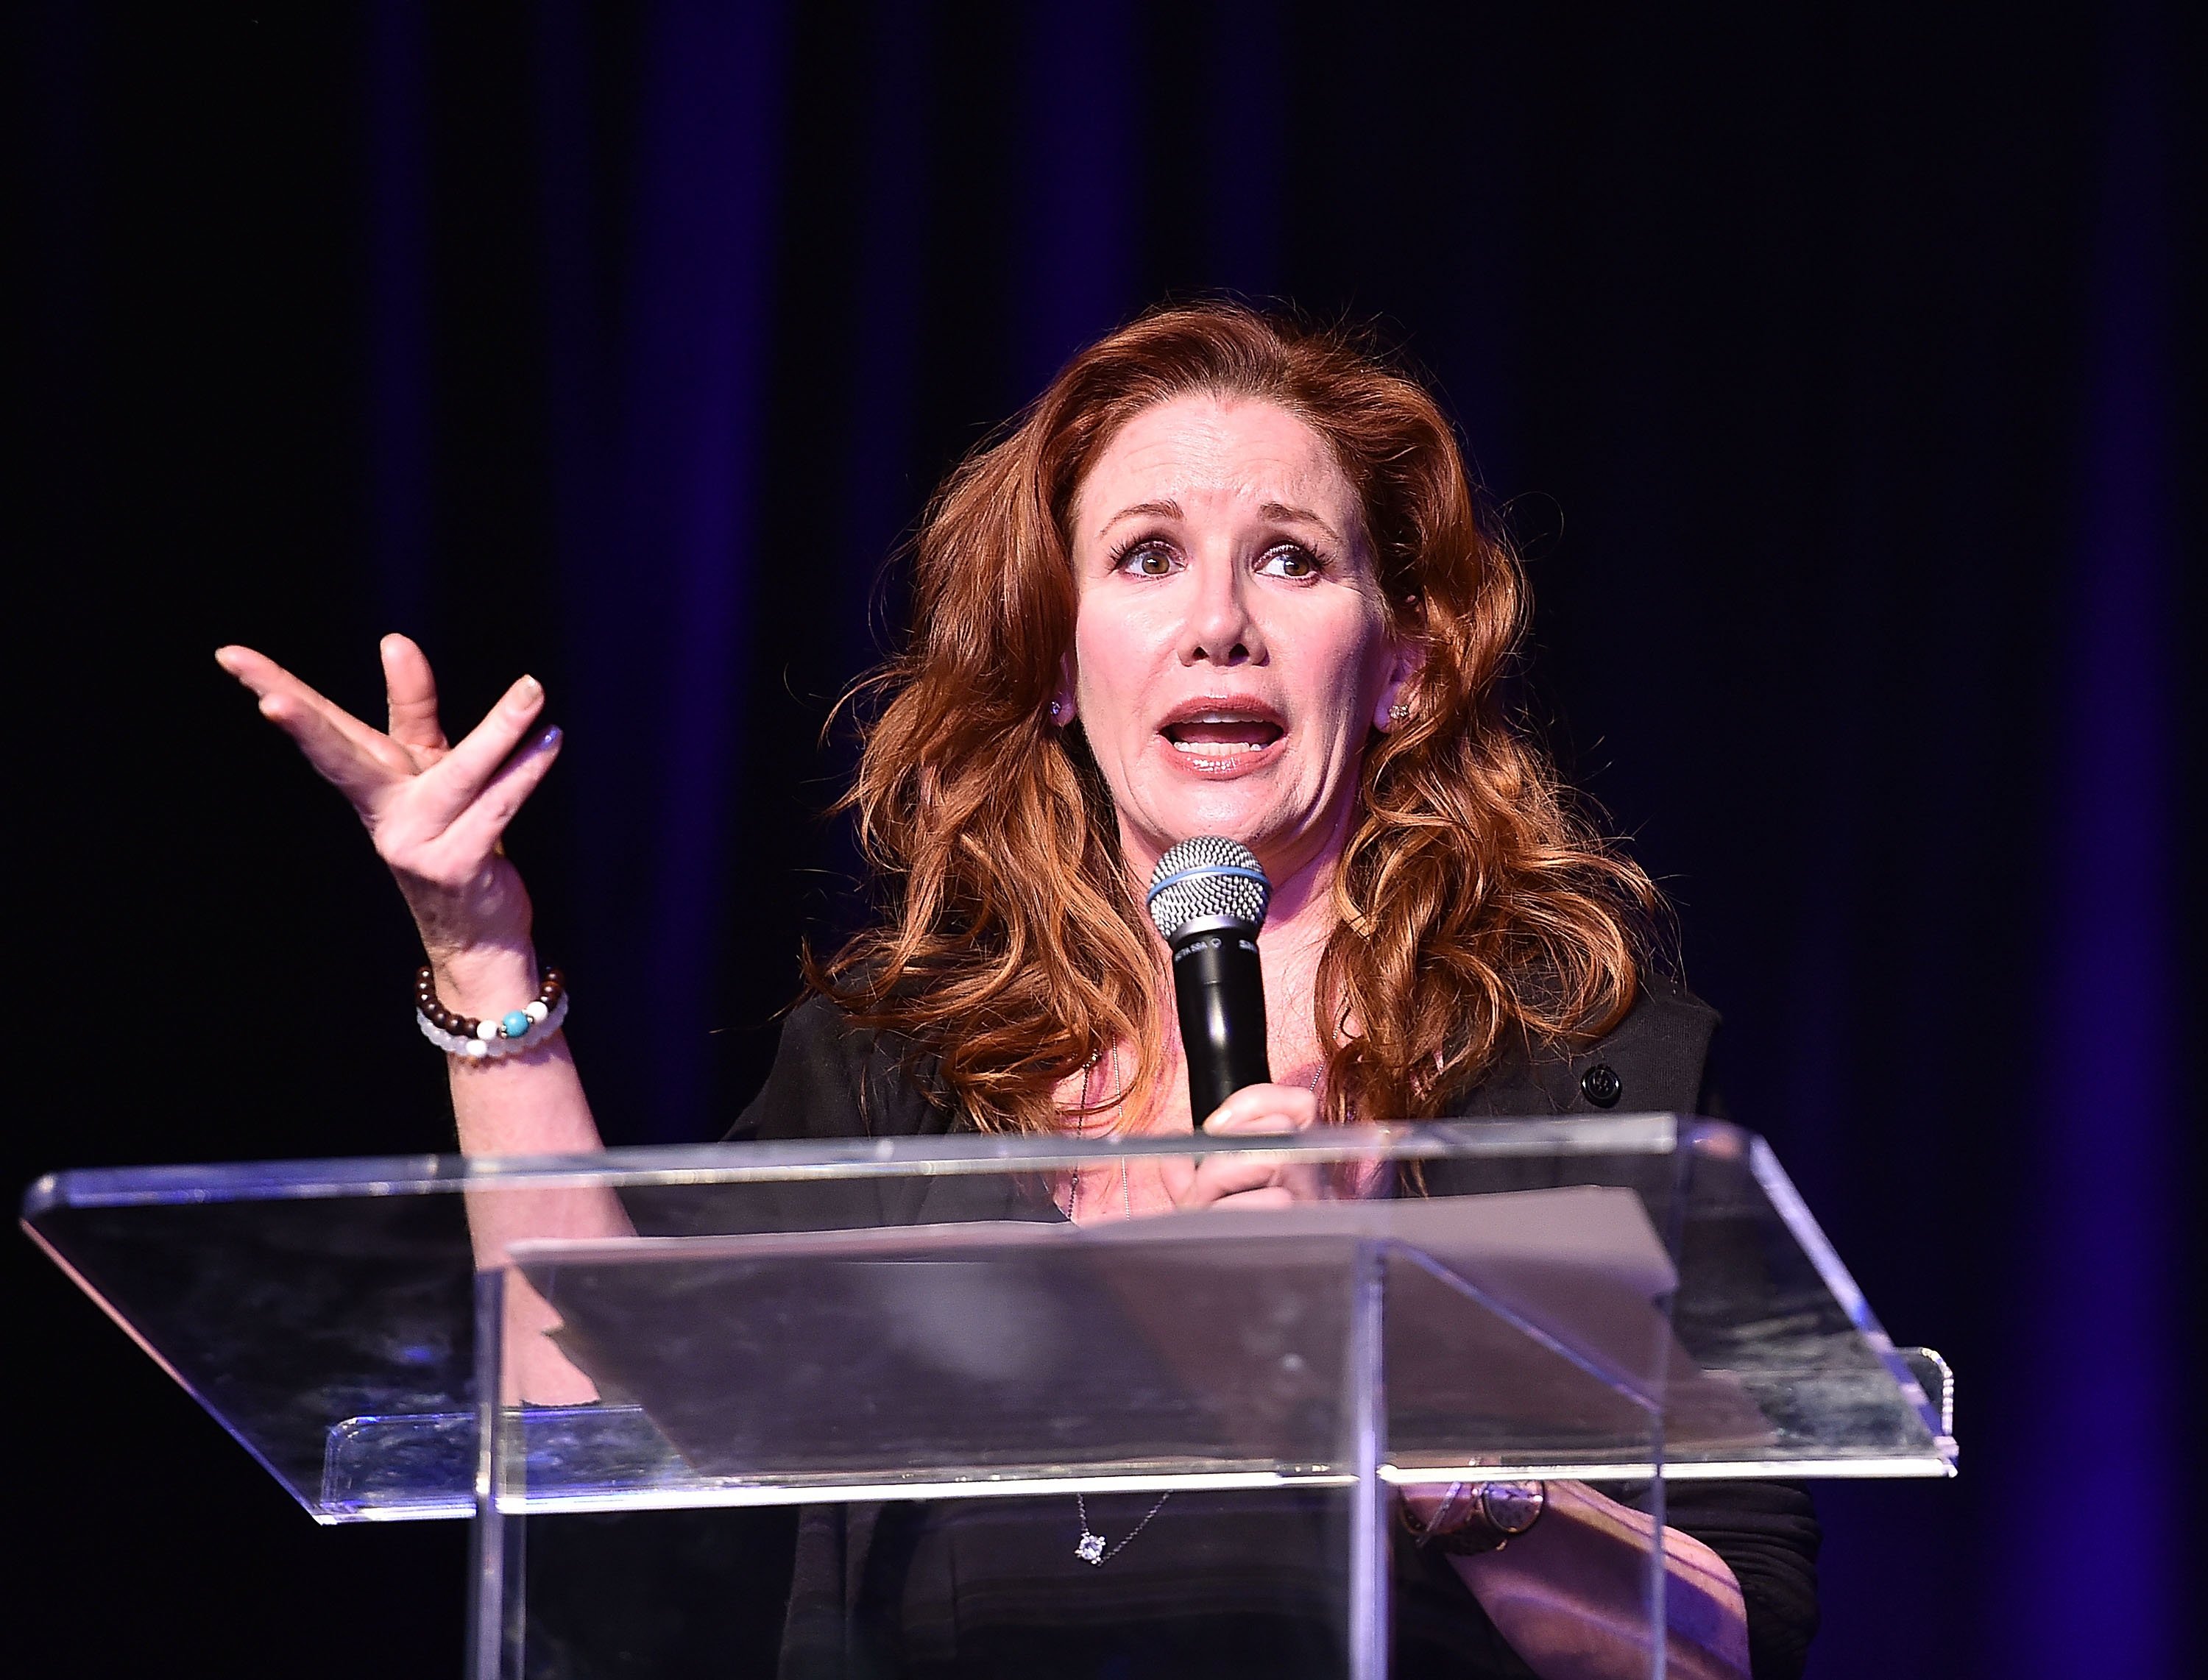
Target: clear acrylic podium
(913, 1325)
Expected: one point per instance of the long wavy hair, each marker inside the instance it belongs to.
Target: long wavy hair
(1477, 909)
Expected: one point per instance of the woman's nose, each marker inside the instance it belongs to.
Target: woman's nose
(1220, 629)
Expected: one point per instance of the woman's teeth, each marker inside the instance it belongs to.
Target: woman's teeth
(1222, 736)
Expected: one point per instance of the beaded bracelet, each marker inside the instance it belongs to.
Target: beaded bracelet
(521, 1030)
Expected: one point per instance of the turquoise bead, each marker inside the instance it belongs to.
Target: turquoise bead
(515, 1025)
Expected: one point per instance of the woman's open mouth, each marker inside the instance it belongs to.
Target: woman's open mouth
(1220, 740)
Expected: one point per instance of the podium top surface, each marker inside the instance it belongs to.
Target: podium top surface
(755, 1323)
(343, 1178)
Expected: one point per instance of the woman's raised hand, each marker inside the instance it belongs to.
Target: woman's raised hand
(434, 811)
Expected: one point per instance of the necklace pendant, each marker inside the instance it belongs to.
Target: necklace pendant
(1090, 1548)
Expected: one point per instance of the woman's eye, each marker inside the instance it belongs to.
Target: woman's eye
(1290, 561)
(1148, 559)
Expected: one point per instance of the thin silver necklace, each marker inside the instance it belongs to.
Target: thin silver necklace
(1091, 1547)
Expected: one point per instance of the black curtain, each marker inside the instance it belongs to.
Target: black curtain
(1838, 371)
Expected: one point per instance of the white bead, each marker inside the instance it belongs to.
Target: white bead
(477, 1047)
(487, 1030)
(536, 1009)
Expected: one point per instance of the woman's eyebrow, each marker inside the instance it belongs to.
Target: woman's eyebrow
(1167, 509)
(1281, 514)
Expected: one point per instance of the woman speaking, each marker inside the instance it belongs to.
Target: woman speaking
(1225, 577)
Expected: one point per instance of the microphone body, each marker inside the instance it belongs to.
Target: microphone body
(1208, 898)
(1220, 992)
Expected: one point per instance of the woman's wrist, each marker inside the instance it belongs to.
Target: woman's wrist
(1471, 1518)
(486, 981)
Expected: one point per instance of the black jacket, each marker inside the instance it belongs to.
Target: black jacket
(853, 1594)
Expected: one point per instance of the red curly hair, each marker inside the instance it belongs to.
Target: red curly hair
(1478, 909)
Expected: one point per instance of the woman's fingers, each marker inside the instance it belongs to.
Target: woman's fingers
(413, 692)
(479, 827)
(444, 787)
(1263, 1109)
(435, 814)
(344, 751)
(1255, 1181)
(1219, 1176)
(452, 783)
(1265, 1196)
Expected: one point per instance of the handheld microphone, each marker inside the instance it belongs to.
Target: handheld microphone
(1208, 898)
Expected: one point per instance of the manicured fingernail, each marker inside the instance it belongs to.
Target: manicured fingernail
(528, 688)
(548, 739)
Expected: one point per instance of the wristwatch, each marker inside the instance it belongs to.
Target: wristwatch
(1474, 1517)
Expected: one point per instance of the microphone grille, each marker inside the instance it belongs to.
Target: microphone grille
(1208, 877)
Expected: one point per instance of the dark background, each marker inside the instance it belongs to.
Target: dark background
(1837, 372)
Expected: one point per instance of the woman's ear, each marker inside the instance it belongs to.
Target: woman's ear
(1392, 711)
(1062, 711)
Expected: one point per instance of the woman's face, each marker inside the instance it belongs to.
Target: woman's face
(1231, 651)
